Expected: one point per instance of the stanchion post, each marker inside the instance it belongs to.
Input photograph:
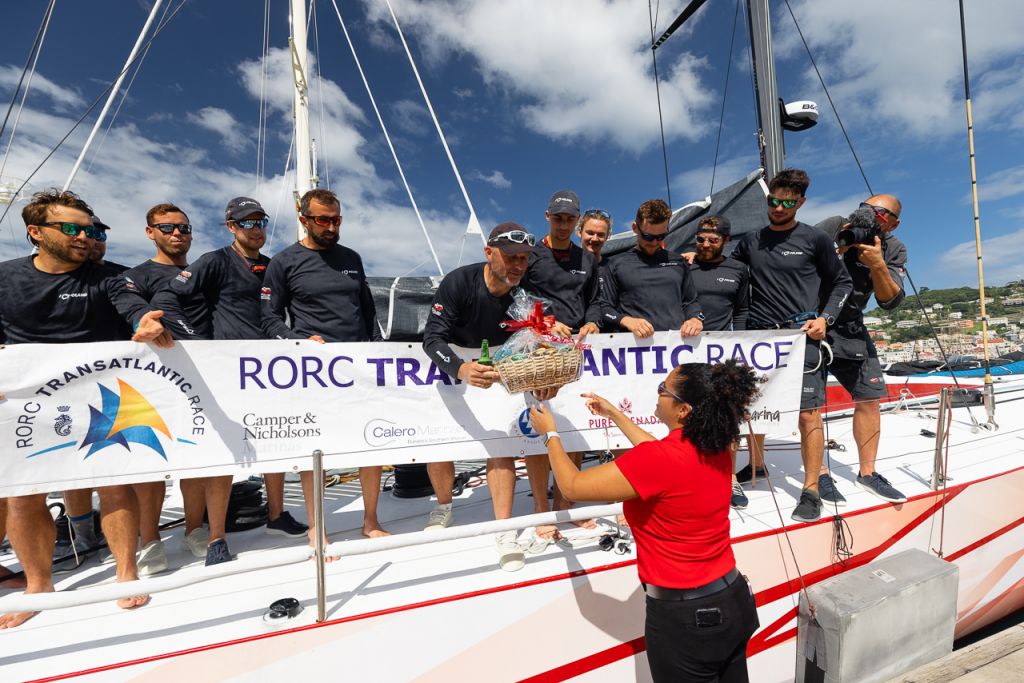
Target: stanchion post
(318, 526)
(941, 436)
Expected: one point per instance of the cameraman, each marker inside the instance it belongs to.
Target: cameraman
(875, 260)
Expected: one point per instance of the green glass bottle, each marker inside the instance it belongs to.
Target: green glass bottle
(485, 354)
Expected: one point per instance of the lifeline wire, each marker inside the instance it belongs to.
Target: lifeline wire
(725, 95)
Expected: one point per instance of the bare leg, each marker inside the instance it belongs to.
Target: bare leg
(501, 480)
(274, 483)
(306, 479)
(4, 571)
(369, 482)
(812, 446)
(867, 425)
(537, 470)
(442, 478)
(119, 515)
(756, 452)
(151, 501)
(32, 537)
(194, 502)
(78, 502)
(217, 492)
(563, 503)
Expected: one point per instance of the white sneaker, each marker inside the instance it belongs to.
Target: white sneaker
(510, 555)
(196, 542)
(440, 518)
(152, 558)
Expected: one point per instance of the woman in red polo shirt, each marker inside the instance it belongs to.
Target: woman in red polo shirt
(700, 611)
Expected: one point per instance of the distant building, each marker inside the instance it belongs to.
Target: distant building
(1001, 320)
(955, 315)
(906, 324)
(937, 307)
(870, 320)
(1013, 301)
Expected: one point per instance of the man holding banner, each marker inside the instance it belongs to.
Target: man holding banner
(64, 297)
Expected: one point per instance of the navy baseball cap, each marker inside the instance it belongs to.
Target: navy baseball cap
(724, 227)
(240, 207)
(511, 238)
(564, 201)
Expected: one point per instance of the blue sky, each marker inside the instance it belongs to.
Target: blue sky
(534, 97)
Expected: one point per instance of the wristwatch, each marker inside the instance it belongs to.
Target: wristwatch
(551, 435)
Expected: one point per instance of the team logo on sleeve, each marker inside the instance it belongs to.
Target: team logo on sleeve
(183, 277)
(265, 293)
(438, 309)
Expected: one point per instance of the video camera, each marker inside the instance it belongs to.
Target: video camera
(862, 228)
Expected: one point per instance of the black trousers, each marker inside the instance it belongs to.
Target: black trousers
(680, 651)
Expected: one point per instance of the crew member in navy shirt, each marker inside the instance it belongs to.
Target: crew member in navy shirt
(796, 281)
(322, 287)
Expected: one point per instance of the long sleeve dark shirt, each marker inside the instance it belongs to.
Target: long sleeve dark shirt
(570, 285)
(151, 278)
(791, 272)
(657, 288)
(89, 304)
(230, 285)
(464, 313)
(324, 292)
(723, 290)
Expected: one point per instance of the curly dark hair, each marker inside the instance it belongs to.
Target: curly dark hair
(719, 396)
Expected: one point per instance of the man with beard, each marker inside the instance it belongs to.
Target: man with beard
(321, 286)
(723, 291)
(229, 280)
(796, 282)
(60, 296)
(470, 305)
(99, 247)
(171, 232)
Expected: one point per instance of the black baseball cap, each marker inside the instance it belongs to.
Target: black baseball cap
(564, 201)
(98, 223)
(511, 238)
(724, 226)
(240, 207)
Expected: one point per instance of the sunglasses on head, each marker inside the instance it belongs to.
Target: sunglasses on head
(663, 390)
(710, 239)
(775, 202)
(883, 213)
(72, 229)
(251, 223)
(324, 221)
(647, 237)
(515, 236)
(169, 228)
(597, 212)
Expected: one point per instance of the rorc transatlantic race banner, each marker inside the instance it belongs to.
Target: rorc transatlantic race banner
(76, 415)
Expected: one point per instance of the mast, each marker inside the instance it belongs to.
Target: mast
(113, 94)
(769, 134)
(305, 173)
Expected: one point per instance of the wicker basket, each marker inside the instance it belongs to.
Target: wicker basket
(542, 369)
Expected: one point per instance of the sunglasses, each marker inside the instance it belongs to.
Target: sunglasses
(169, 228)
(597, 212)
(709, 240)
(101, 235)
(324, 221)
(516, 237)
(72, 229)
(883, 213)
(663, 391)
(647, 237)
(251, 223)
(775, 202)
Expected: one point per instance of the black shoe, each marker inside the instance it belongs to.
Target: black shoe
(828, 492)
(285, 525)
(217, 552)
(809, 507)
(877, 484)
(739, 499)
(745, 475)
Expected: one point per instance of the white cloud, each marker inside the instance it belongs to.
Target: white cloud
(1008, 182)
(224, 124)
(495, 179)
(1002, 256)
(900, 63)
(694, 184)
(65, 98)
(600, 91)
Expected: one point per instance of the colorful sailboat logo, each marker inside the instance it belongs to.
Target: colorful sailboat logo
(124, 419)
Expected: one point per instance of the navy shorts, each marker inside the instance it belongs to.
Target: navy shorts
(812, 393)
(862, 377)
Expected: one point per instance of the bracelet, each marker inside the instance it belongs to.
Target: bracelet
(551, 435)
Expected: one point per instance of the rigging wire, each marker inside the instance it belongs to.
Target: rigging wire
(124, 97)
(387, 137)
(261, 125)
(320, 93)
(283, 192)
(32, 53)
(657, 92)
(830, 102)
(725, 96)
(88, 111)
